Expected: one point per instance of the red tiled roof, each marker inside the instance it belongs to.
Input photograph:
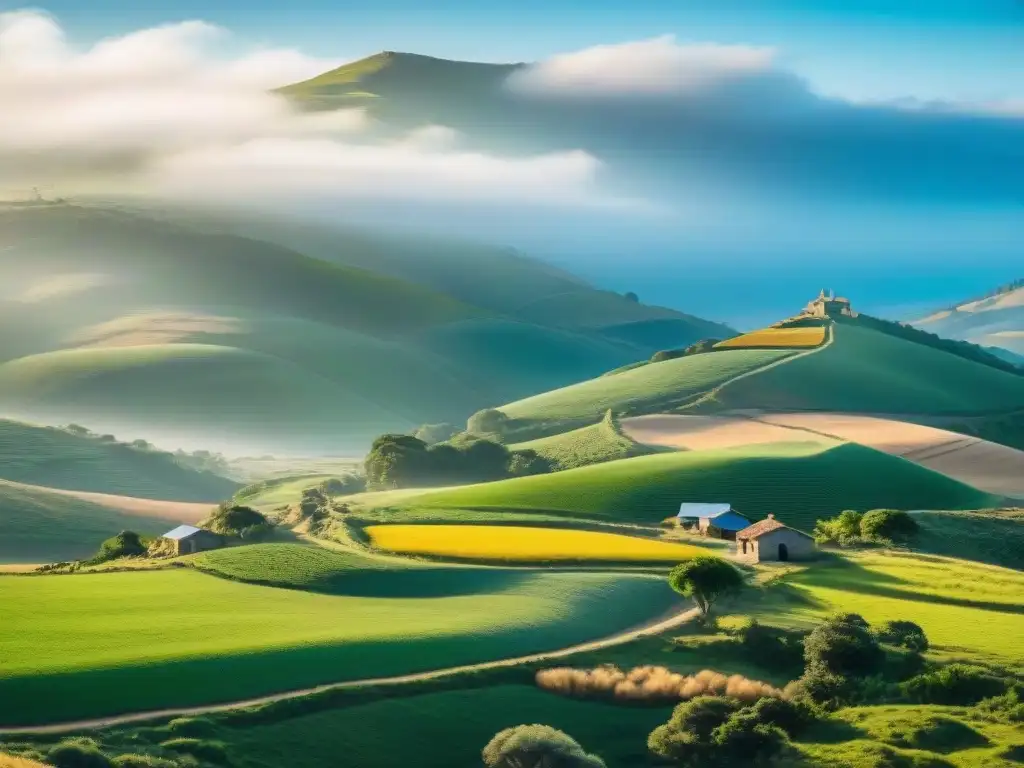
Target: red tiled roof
(762, 527)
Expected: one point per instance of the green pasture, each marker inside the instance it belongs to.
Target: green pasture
(994, 537)
(799, 482)
(866, 371)
(968, 610)
(90, 645)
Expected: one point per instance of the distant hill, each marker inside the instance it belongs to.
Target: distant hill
(191, 329)
(39, 526)
(995, 321)
(867, 367)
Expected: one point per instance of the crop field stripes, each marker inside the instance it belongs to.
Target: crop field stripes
(777, 338)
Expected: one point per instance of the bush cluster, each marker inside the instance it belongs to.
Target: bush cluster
(403, 461)
(238, 521)
(878, 526)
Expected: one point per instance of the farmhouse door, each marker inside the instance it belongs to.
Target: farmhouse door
(783, 552)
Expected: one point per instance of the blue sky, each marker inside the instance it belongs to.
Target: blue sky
(864, 49)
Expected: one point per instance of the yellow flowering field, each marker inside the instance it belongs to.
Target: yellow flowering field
(777, 337)
(522, 543)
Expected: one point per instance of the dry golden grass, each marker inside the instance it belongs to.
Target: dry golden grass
(10, 761)
(783, 338)
(525, 544)
(650, 683)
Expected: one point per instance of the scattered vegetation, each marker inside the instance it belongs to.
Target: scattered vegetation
(525, 544)
(125, 544)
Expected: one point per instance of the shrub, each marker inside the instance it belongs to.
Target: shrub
(142, 761)
(650, 683)
(793, 717)
(903, 634)
(198, 727)
(836, 653)
(887, 525)
(125, 544)
(78, 753)
(210, 751)
(537, 746)
(237, 520)
(954, 684)
(342, 486)
(686, 737)
(743, 737)
(1009, 706)
(528, 462)
(843, 529)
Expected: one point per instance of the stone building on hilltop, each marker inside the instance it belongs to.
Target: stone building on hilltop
(829, 305)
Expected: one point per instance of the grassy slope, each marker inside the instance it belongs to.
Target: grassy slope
(39, 455)
(652, 388)
(123, 637)
(588, 445)
(37, 526)
(799, 482)
(967, 609)
(987, 537)
(865, 371)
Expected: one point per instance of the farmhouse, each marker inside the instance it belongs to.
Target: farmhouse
(719, 521)
(187, 539)
(770, 540)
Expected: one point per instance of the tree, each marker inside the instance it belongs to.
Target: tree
(537, 746)
(836, 653)
(527, 462)
(395, 461)
(887, 524)
(630, 296)
(844, 529)
(706, 579)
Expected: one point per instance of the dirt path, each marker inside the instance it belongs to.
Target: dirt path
(654, 627)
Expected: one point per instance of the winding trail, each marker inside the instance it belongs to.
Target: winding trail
(653, 627)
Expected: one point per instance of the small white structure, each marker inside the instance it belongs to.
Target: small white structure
(770, 540)
(718, 520)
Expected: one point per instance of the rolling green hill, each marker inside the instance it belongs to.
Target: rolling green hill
(183, 327)
(865, 371)
(798, 482)
(648, 389)
(41, 526)
(56, 458)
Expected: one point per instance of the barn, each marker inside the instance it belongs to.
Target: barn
(187, 539)
(719, 520)
(769, 540)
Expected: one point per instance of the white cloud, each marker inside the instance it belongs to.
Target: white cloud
(160, 111)
(659, 66)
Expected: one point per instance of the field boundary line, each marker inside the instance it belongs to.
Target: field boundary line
(652, 627)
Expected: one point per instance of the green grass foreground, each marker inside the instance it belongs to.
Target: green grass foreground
(92, 645)
(799, 482)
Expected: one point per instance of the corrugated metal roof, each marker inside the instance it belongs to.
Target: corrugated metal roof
(181, 532)
(703, 510)
(730, 521)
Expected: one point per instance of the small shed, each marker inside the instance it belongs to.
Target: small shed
(770, 540)
(187, 539)
(717, 520)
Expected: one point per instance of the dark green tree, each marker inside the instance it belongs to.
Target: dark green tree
(887, 524)
(706, 579)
